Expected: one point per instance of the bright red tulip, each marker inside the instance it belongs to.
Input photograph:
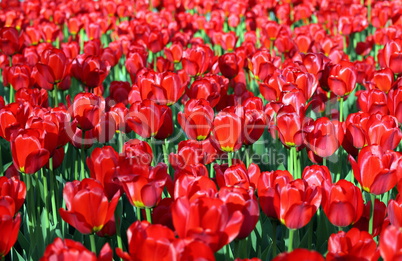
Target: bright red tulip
(383, 79)
(373, 101)
(208, 88)
(379, 221)
(87, 110)
(13, 117)
(390, 243)
(28, 151)
(375, 169)
(383, 130)
(9, 225)
(174, 53)
(353, 245)
(342, 80)
(90, 70)
(317, 175)
(206, 219)
(227, 131)
(394, 211)
(196, 120)
(68, 249)
(88, 208)
(197, 60)
(18, 76)
(9, 41)
(228, 65)
(395, 103)
(263, 65)
(138, 152)
(15, 189)
(299, 254)
(289, 134)
(342, 203)
(193, 187)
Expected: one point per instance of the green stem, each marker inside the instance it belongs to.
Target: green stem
(295, 163)
(138, 213)
(248, 153)
(83, 156)
(341, 109)
(371, 221)
(76, 165)
(121, 141)
(230, 158)
(117, 216)
(291, 236)
(152, 144)
(11, 97)
(53, 190)
(148, 214)
(274, 247)
(93, 245)
(55, 96)
(165, 150)
(290, 162)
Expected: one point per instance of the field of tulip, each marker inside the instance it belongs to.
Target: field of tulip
(200, 130)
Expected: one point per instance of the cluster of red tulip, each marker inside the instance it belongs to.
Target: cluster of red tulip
(200, 130)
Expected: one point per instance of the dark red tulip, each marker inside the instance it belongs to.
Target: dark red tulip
(227, 131)
(9, 225)
(375, 169)
(206, 219)
(228, 65)
(28, 151)
(235, 175)
(208, 88)
(138, 152)
(352, 245)
(392, 54)
(193, 187)
(342, 203)
(68, 249)
(35, 96)
(13, 117)
(197, 60)
(383, 130)
(90, 70)
(119, 91)
(196, 120)
(245, 201)
(88, 208)
(342, 80)
(390, 243)
(323, 136)
(103, 166)
(9, 41)
(263, 65)
(380, 221)
(299, 254)
(18, 76)
(268, 187)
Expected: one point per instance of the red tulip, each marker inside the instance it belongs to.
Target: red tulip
(88, 208)
(262, 65)
(206, 219)
(394, 211)
(317, 175)
(18, 76)
(323, 136)
(138, 152)
(87, 110)
(119, 91)
(146, 118)
(15, 189)
(268, 188)
(144, 189)
(375, 169)
(297, 203)
(342, 80)
(244, 200)
(392, 56)
(373, 101)
(90, 70)
(383, 79)
(68, 249)
(163, 88)
(9, 41)
(148, 242)
(228, 65)
(379, 221)
(353, 245)
(28, 151)
(174, 53)
(36, 97)
(235, 175)
(289, 134)
(9, 225)
(13, 117)
(342, 203)
(208, 88)
(300, 254)
(197, 60)
(193, 187)
(383, 130)
(390, 243)
(196, 120)
(103, 166)
(227, 131)
(395, 103)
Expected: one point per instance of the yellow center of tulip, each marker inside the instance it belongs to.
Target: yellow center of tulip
(139, 204)
(201, 137)
(22, 169)
(366, 189)
(227, 149)
(97, 229)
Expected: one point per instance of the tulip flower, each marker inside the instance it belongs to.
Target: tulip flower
(9, 225)
(375, 169)
(9, 41)
(263, 65)
(208, 88)
(13, 117)
(395, 103)
(390, 243)
(88, 208)
(373, 101)
(383, 79)
(228, 65)
(87, 110)
(28, 150)
(138, 152)
(342, 80)
(15, 189)
(317, 175)
(196, 60)
(383, 130)
(380, 221)
(354, 245)
(103, 165)
(342, 203)
(227, 131)
(206, 219)
(289, 134)
(18, 76)
(300, 254)
(174, 53)
(193, 187)
(235, 175)
(90, 70)
(394, 211)
(196, 120)
(68, 249)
